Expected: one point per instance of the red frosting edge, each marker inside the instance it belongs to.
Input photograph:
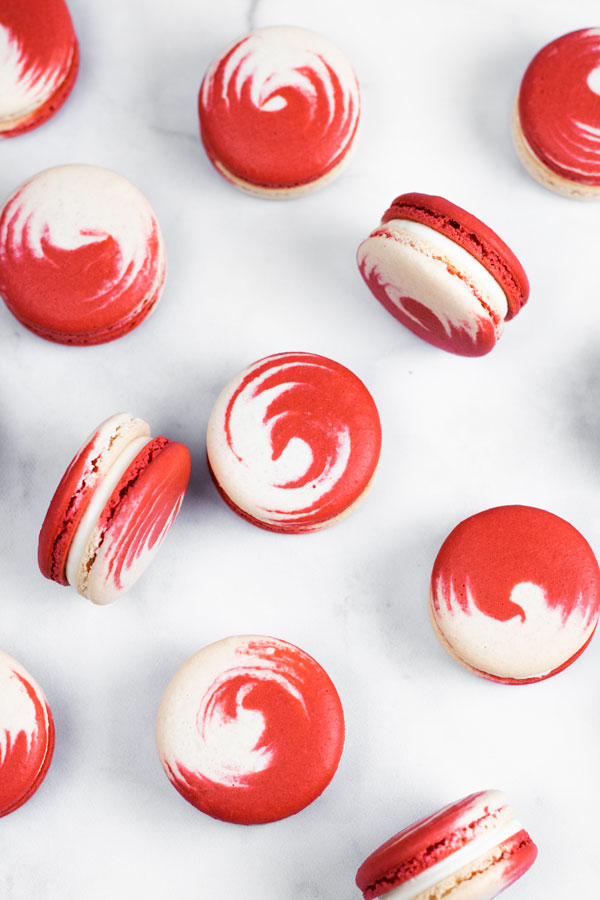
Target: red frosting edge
(51, 106)
(50, 740)
(472, 235)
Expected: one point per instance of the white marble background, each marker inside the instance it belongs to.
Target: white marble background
(248, 278)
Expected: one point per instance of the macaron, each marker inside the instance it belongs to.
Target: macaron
(471, 850)
(26, 735)
(293, 442)
(279, 111)
(556, 119)
(112, 509)
(39, 61)
(250, 730)
(82, 259)
(515, 594)
(443, 273)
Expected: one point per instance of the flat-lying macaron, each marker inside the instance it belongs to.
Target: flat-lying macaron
(39, 61)
(443, 273)
(112, 508)
(82, 259)
(250, 730)
(26, 735)
(515, 594)
(471, 850)
(556, 120)
(279, 111)
(293, 442)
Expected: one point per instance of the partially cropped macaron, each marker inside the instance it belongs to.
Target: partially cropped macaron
(112, 509)
(443, 273)
(39, 61)
(471, 850)
(250, 730)
(556, 120)
(82, 259)
(515, 594)
(26, 735)
(293, 442)
(279, 111)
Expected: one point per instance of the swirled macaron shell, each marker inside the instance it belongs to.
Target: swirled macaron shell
(515, 594)
(39, 61)
(82, 259)
(443, 273)
(250, 730)
(293, 442)
(26, 735)
(556, 125)
(112, 508)
(470, 850)
(279, 111)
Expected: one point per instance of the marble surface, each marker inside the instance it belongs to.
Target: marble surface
(248, 278)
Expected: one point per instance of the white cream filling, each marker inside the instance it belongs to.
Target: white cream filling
(447, 867)
(79, 545)
(458, 257)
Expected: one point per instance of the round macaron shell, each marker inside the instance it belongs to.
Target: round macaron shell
(250, 730)
(559, 108)
(77, 487)
(472, 235)
(515, 593)
(26, 736)
(293, 442)
(135, 520)
(279, 109)
(40, 61)
(82, 259)
(441, 842)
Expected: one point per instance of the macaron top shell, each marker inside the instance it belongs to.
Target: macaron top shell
(250, 730)
(39, 54)
(515, 593)
(559, 106)
(447, 841)
(26, 735)
(279, 108)
(473, 235)
(293, 441)
(82, 259)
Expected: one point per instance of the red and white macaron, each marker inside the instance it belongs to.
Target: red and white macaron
(471, 850)
(556, 120)
(39, 61)
(112, 509)
(279, 111)
(515, 594)
(26, 735)
(82, 259)
(443, 273)
(293, 442)
(250, 730)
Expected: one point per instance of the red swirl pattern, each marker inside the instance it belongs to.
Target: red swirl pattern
(279, 706)
(280, 108)
(559, 106)
(25, 754)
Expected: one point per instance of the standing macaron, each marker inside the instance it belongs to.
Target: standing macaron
(26, 735)
(39, 60)
(293, 442)
(443, 273)
(112, 509)
(82, 259)
(471, 850)
(556, 120)
(279, 111)
(515, 594)
(250, 730)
